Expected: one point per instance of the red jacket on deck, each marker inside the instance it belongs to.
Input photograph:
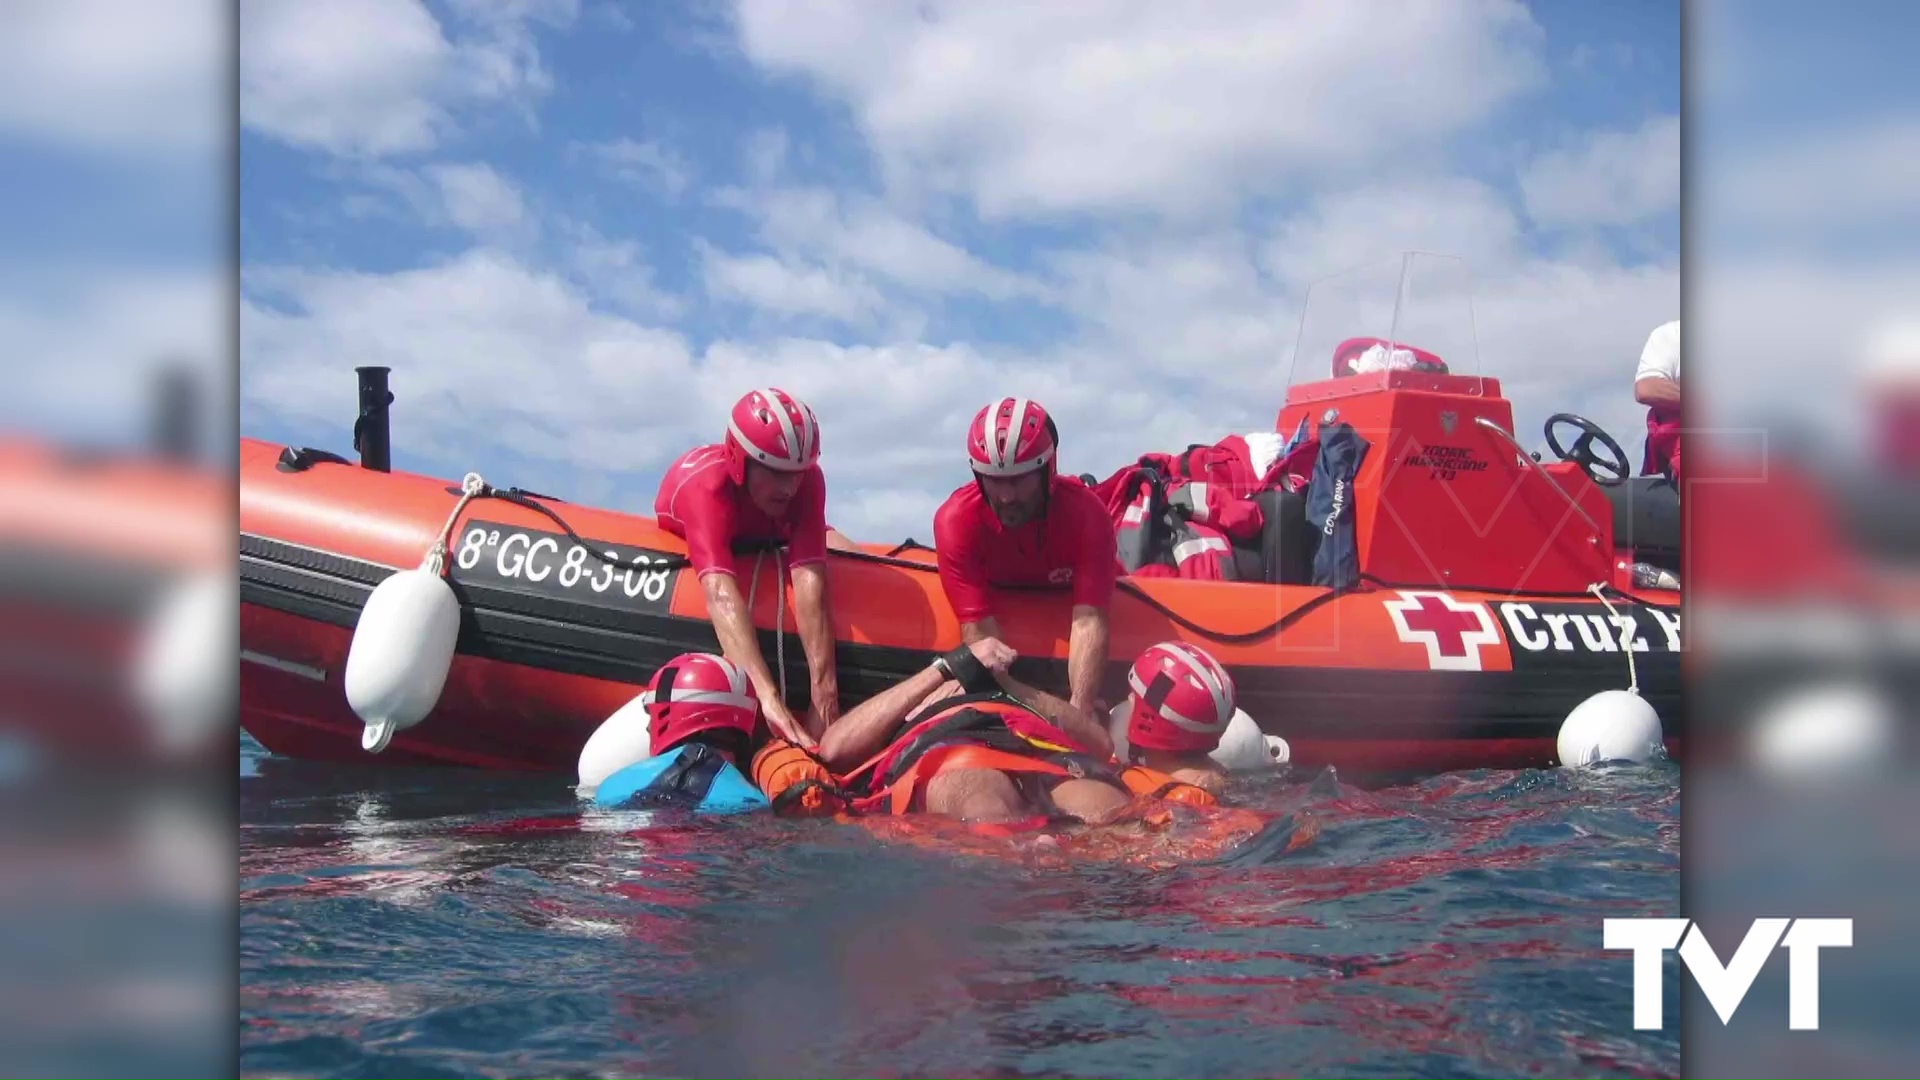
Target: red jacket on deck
(1176, 528)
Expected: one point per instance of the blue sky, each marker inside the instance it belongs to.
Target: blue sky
(577, 230)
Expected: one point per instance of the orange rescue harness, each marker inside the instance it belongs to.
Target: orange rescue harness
(985, 731)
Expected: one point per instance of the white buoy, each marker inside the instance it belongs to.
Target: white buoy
(1245, 748)
(621, 740)
(183, 672)
(401, 652)
(1824, 731)
(1612, 725)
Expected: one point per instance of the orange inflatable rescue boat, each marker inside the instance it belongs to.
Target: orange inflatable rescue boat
(1495, 593)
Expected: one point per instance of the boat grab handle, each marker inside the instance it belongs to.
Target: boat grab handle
(1536, 467)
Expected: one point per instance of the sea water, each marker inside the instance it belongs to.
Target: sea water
(447, 922)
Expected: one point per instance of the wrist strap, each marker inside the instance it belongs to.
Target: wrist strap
(967, 669)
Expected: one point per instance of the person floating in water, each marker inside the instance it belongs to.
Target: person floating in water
(950, 740)
(702, 717)
(1180, 704)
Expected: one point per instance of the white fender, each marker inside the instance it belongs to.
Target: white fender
(1612, 725)
(401, 652)
(183, 671)
(1245, 748)
(621, 740)
(1824, 732)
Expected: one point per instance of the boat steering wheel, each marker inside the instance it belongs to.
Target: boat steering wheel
(1582, 453)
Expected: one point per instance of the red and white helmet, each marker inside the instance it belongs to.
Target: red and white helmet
(1182, 699)
(773, 428)
(697, 692)
(1011, 437)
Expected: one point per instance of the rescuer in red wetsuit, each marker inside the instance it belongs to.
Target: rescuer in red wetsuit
(1182, 701)
(1020, 523)
(762, 484)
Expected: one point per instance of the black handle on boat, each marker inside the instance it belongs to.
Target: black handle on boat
(370, 432)
(175, 420)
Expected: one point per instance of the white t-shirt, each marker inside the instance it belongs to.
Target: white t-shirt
(1661, 357)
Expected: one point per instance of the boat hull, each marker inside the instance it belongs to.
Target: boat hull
(1381, 679)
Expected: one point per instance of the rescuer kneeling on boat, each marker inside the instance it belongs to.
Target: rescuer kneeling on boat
(951, 740)
(1020, 523)
(701, 721)
(1181, 702)
(762, 484)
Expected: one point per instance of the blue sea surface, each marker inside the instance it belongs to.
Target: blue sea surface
(444, 922)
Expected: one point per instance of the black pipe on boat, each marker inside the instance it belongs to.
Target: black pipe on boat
(175, 420)
(370, 430)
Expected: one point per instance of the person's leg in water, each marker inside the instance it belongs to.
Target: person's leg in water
(990, 796)
(1095, 802)
(985, 796)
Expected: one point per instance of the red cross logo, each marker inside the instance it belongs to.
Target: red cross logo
(1452, 632)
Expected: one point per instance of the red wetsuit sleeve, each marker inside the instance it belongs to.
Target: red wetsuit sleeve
(809, 544)
(962, 576)
(1096, 564)
(705, 508)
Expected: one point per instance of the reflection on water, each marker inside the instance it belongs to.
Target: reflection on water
(432, 922)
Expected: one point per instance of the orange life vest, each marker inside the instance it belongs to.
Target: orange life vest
(1153, 783)
(974, 731)
(992, 732)
(796, 782)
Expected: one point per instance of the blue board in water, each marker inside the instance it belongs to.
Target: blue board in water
(690, 774)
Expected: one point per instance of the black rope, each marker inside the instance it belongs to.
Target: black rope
(521, 499)
(1224, 638)
(516, 497)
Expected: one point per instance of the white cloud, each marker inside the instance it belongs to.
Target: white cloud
(785, 287)
(492, 362)
(380, 77)
(1788, 336)
(1037, 109)
(1862, 172)
(98, 337)
(1204, 326)
(1346, 229)
(479, 199)
(473, 197)
(481, 344)
(644, 163)
(862, 234)
(613, 16)
(1185, 310)
(1179, 329)
(1607, 178)
(616, 271)
(116, 76)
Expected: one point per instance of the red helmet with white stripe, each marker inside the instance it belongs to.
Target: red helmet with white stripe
(1012, 437)
(696, 692)
(773, 428)
(1182, 699)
